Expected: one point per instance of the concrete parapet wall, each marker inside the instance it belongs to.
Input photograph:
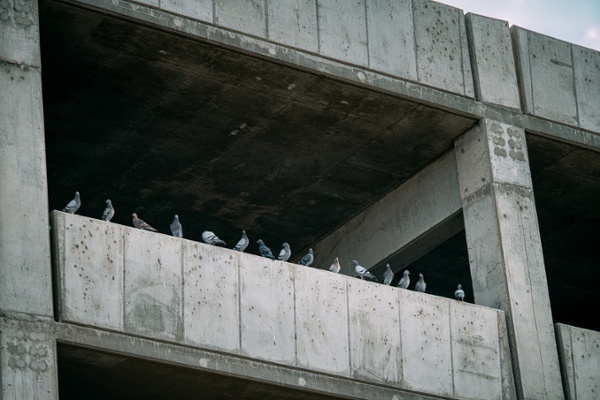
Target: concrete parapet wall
(159, 287)
(579, 351)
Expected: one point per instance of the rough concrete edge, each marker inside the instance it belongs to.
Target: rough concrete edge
(467, 59)
(519, 37)
(565, 359)
(157, 351)
(509, 390)
(57, 259)
(473, 56)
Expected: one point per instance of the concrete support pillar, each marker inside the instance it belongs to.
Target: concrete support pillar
(27, 342)
(505, 250)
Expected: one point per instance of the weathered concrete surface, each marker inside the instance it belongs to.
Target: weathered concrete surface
(426, 200)
(27, 358)
(579, 351)
(289, 315)
(505, 249)
(494, 69)
(23, 185)
(558, 79)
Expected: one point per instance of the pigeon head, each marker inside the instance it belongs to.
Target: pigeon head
(354, 262)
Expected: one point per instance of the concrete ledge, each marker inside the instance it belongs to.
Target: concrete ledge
(275, 313)
(579, 351)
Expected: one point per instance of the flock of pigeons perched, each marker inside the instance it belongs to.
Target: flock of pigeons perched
(284, 254)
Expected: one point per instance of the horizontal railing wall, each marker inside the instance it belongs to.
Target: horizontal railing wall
(155, 286)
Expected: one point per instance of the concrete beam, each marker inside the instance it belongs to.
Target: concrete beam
(505, 250)
(425, 202)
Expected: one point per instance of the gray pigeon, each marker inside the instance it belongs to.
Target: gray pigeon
(335, 267)
(109, 211)
(459, 294)
(264, 250)
(362, 272)
(73, 205)
(210, 238)
(242, 243)
(176, 228)
(140, 224)
(404, 281)
(285, 252)
(308, 258)
(388, 275)
(420, 286)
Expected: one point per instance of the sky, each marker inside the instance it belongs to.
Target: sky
(575, 21)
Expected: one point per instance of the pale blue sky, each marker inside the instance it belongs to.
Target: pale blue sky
(575, 21)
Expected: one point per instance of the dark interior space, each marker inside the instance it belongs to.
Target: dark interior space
(86, 374)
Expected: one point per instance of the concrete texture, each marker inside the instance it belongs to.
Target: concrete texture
(293, 317)
(493, 63)
(586, 64)
(294, 23)
(505, 249)
(28, 358)
(23, 183)
(376, 234)
(579, 351)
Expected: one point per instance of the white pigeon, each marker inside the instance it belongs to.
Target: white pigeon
(404, 281)
(362, 272)
(308, 258)
(140, 224)
(388, 275)
(459, 294)
(176, 228)
(73, 205)
(335, 267)
(285, 252)
(210, 238)
(264, 250)
(109, 211)
(420, 286)
(242, 243)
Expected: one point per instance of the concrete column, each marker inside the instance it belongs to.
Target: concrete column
(505, 250)
(27, 338)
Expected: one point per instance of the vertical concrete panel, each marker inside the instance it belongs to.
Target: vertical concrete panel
(475, 353)
(19, 32)
(24, 227)
(196, 9)
(374, 325)
(294, 23)
(552, 80)
(494, 67)
(267, 310)
(90, 262)
(322, 321)
(211, 297)
(442, 50)
(426, 349)
(153, 282)
(248, 16)
(392, 38)
(587, 86)
(28, 360)
(343, 30)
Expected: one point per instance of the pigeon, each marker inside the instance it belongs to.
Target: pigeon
(308, 258)
(73, 205)
(210, 238)
(420, 286)
(459, 294)
(109, 211)
(176, 228)
(335, 267)
(138, 223)
(285, 252)
(362, 271)
(388, 275)
(404, 281)
(264, 250)
(242, 243)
